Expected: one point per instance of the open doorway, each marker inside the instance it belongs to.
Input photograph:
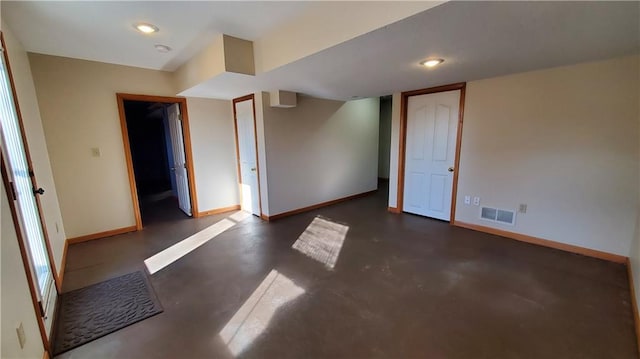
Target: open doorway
(157, 146)
(384, 144)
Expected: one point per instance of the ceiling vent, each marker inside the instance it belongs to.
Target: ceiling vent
(283, 99)
(498, 215)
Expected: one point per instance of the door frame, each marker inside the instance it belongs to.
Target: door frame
(182, 101)
(14, 214)
(255, 138)
(403, 142)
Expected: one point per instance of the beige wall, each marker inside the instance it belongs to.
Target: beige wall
(212, 141)
(262, 100)
(206, 64)
(319, 151)
(394, 150)
(324, 25)
(77, 100)
(15, 298)
(564, 141)
(26, 96)
(79, 111)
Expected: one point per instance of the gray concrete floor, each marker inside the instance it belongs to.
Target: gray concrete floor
(402, 287)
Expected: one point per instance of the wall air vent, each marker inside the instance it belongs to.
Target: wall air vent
(283, 99)
(498, 215)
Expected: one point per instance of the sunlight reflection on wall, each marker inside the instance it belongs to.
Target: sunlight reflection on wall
(253, 317)
(247, 198)
(322, 241)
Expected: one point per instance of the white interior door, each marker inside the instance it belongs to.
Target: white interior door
(245, 125)
(432, 126)
(22, 184)
(179, 160)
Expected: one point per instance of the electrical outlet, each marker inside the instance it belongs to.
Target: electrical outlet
(467, 199)
(22, 339)
(523, 208)
(476, 201)
(95, 152)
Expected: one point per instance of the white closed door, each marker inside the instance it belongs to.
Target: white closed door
(432, 127)
(246, 133)
(179, 160)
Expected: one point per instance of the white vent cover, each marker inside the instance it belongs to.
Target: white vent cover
(498, 215)
(283, 99)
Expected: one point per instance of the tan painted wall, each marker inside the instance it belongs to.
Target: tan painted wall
(212, 140)
(15, 298)
(79, 111)
(26, 96)
(634, 252)
(565, 142)
(394, 150)
(319, 151)
(324, 25)
(206, 64)
(262, 100)
(238, 55)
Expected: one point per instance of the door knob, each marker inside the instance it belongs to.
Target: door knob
(450, 169)
(38, 191)
(253, 169)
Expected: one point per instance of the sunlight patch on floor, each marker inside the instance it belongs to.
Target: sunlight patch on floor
(184, 247)
(253, 317)
(322, 240)
(240, 216)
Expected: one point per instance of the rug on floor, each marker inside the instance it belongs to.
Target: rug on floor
(92, 312)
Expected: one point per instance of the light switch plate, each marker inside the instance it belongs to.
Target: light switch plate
(467, 199)
(22, 339)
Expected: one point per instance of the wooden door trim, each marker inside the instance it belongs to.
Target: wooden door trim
(186, 134)
(45, 233)
(255, 135)
(403, 141)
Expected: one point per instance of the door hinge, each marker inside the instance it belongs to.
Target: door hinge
(31, 173)
(13, 191)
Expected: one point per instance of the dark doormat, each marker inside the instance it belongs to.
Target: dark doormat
(92, 312)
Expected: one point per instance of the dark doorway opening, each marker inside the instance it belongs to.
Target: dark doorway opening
(152, 158)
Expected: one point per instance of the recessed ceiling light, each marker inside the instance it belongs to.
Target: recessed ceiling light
(162, 48)
(431, 62)
(146, 28)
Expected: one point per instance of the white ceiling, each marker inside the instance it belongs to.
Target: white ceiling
(103, 30)
(477, 40)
